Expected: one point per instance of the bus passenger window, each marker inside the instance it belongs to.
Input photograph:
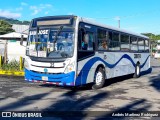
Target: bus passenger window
(102, 39)
(87, 41)
(91, 41)
(133, 43)
(114, 41)
(125, 42)
(141, 44)
(147, 45)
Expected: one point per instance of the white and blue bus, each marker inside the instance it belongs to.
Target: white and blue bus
(73, 51)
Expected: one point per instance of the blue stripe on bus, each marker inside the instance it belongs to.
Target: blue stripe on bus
(60, 78)
(82, 77)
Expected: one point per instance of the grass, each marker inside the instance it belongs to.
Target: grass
(11, 66)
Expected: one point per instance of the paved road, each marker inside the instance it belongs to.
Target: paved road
(120, 94)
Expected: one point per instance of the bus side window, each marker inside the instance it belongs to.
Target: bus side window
(146, 45)
(85, 41)
(90, 41)
(133, 43)
(114, 41)
(102, 39)
(125, 42)
(141, 44)
(79, 39)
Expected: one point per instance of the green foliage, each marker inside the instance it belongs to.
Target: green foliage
(11, 66)
(13, 21)
(5, 27)
(152, 36)
(25, 22)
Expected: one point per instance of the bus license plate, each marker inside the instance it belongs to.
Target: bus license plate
(45, 78)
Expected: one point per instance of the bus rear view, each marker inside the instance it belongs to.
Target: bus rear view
(50, 51)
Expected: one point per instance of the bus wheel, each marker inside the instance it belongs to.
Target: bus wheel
(99, 78)
(137, 71)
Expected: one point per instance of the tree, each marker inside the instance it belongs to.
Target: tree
(152, 36)
(26, 22)
(5, 27)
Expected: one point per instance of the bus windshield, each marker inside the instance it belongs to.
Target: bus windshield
(47, 43)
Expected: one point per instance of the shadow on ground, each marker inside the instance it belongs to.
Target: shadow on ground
(155, 82)
(135, 107)
(108, 82)
(72, 104)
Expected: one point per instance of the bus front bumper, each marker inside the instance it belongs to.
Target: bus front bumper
(55, 79)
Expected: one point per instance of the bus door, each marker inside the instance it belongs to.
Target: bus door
(86, 47)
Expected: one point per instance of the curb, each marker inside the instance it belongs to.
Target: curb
(14, 73)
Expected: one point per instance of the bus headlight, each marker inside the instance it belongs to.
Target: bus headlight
(69, 68)
(26, 64)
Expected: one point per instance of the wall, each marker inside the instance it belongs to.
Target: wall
(2, 47)
(15, 50)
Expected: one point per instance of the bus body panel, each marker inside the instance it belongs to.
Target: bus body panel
(123, 64)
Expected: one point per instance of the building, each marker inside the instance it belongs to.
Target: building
(10, 43)
(20, 28)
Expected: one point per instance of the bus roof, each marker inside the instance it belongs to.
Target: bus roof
(92, 22)
(110, 27)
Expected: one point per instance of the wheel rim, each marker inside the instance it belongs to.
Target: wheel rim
(138, 70)
(99, 78)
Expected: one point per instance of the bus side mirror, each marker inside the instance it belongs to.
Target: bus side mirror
(21, 42)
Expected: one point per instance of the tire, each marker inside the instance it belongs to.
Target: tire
(137, 71)
(99, 78)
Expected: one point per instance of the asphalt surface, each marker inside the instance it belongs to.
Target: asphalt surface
(119, 94)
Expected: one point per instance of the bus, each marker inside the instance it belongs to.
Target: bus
(73, 51)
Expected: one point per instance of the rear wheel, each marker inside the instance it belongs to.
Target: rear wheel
(99, 78)
(137, 71)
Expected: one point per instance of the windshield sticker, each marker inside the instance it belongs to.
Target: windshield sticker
(42, 54)
(32, 47)
(32, 53)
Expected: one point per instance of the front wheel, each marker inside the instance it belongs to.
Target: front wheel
(99, 78)
(137, 71)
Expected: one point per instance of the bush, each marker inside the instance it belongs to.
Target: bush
(11, 66)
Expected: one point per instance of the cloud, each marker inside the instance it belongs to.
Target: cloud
(35, 9)
(39, 8)
(8, 14)
(19, 9)
(24, 4)
(45, 5)
(46, 12)
(35, 12)
(116, 18)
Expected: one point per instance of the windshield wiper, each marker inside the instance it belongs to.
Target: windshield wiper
(58, 32)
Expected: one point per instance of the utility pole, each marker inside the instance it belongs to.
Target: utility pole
(119, 23)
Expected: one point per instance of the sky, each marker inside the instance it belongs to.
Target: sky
(140, 16)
